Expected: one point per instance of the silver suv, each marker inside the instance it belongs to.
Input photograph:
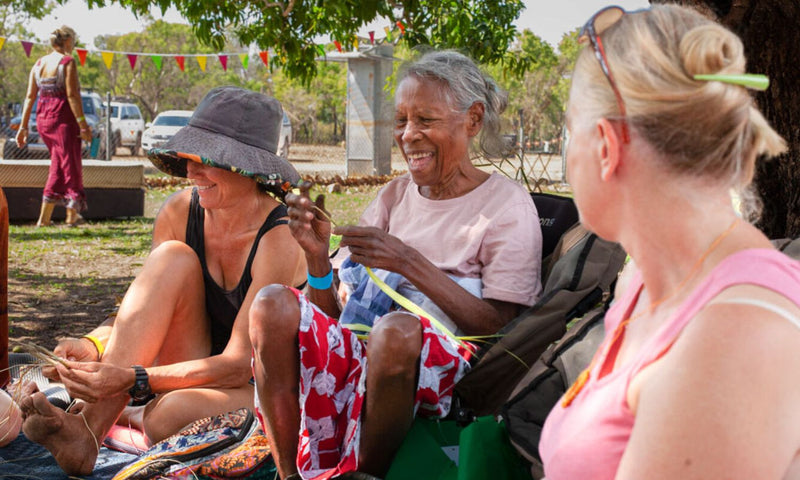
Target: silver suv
(127, 126)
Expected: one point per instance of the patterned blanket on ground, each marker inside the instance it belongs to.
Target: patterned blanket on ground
(25, 459)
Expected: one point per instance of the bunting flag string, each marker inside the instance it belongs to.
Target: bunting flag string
(27, 46)
(82, 55)
(108, 57)
(354, 43)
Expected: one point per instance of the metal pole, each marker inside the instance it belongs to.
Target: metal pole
(109, 147)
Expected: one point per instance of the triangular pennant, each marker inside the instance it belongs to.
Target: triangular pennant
(245, 59)
(388, 33)
(2, 41)
(179, 59)
(355, 44)
(201, 60)
(132, 60)
(338, 46)
(372, 37)
(157, 60)
(107, 58)
(223, 59)
(401, 27)
(81, 55)
(27, 47)
(264, 57)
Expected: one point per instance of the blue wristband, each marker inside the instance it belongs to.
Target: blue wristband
(321, 283)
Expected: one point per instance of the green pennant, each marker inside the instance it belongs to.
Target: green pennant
(157, 61)
(245, 58)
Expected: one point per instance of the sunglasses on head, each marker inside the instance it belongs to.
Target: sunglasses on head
(591, 31)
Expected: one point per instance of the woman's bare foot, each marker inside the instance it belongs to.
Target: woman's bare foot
(65, 435)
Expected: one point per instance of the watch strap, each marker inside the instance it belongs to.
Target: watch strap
(141, 385)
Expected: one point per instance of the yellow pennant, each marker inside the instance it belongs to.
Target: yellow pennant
(107, 58)
(2, 41)
(201, 60)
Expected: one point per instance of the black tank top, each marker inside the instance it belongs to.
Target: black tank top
(223, 305)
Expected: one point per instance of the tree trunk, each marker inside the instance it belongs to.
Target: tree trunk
(771, 37)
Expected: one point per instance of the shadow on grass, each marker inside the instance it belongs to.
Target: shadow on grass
(47, 307)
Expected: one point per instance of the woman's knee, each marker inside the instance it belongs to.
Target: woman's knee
(395, 343)
(274, 315)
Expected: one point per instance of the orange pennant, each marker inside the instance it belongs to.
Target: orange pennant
(338, 45)
(264, 57)
(81, 55)
(179, 59)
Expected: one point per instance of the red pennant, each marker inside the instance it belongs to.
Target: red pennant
(264, 57)
(132, 60)
(372, 38)
(81, 55)
(179, 59)
(27, 46)
(223, 59)
(338, 45)
(401, 27)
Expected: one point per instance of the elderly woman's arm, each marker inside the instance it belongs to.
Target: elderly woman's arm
(375, 248)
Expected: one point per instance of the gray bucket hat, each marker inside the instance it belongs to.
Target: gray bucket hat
(234, 129)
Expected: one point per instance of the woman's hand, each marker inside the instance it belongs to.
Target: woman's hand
(73, 349)
(86, 133)
(372, 247)
(309, 226)
(94, 381)
(22, 137)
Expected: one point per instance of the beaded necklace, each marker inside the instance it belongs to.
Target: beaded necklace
(583, 378)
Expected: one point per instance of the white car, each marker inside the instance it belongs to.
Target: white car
(165, 125)
(127, 126)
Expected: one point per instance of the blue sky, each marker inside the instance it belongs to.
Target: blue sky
(549, 19)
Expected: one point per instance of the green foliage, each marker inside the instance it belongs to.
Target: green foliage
(482, 29)
(14, 65)
(541, 93)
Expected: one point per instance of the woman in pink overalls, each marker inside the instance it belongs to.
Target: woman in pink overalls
(61, 125)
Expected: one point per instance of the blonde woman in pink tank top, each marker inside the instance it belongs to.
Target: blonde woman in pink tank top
(696, 377)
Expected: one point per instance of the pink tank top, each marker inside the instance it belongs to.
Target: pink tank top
(587, 439)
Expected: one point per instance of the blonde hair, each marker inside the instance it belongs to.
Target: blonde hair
(61, 34)
(702, 128)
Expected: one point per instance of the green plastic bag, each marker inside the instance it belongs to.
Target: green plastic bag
(442, 450)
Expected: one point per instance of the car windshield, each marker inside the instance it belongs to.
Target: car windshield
(114, 110)
(88, 106)
(171, 121)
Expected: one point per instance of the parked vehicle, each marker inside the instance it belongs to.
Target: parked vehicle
(164, 126)
(167, 123)
(94, 112)
(127, 126)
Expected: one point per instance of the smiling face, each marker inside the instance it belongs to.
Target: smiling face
(217, 187)
(433, 137)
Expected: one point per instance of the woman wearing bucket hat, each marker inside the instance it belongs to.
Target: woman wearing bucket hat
(463, 243)
(181, 331)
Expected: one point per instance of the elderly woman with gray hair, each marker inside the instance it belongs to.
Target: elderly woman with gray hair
(462, 243)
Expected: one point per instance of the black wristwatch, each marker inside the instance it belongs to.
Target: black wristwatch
(141, 386)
